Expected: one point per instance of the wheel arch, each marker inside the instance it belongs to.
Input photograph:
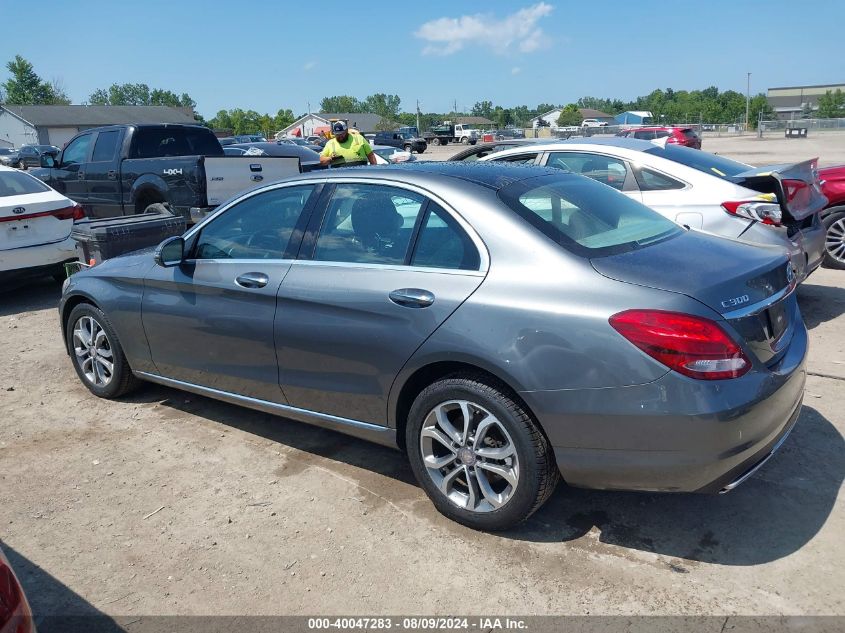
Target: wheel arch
(147, 190)
(429, 373)
(67, 307)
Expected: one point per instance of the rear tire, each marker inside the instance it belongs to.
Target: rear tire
(159, 208)
(486, 432)
(435, 141)
(96, 353)
(834, 240)
(408, 149)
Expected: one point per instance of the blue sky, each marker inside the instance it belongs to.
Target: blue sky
(271, 55)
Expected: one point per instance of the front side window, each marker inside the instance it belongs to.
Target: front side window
(268, 225)
(77, 151)
(606, 170)
(585, 218)
(368, 224)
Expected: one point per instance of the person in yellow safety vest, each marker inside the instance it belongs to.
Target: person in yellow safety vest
(346, 147)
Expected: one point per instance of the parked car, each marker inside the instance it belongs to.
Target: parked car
(618, 349)
(15, 612)
(402, 140)
(593, 123)
(308, 159)
(685, 136)
(833, 217)
(775, 206)
(295, 140)
(386, 155)
(8, 155)
(35, 226)
(233, 151)
(126, 169)
(481, 150)
(508, 133)
(317, 140)
(30, 155)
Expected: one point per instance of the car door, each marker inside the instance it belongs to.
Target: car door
(102, 175)
(30, 157)
(209, 321)
(68, 176)
(381, 269)
(609, 170)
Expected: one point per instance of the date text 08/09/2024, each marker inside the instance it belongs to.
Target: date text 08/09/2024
(417, 623)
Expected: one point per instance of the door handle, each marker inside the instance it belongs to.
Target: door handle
(80, 175)
(112, 174)
(252, 280)
(412, 297)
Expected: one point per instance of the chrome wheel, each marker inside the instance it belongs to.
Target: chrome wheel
(835, 240)
(469, 455)
(93, 351)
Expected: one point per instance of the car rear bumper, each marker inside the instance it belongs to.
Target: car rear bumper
(19, 260)
(676, 433)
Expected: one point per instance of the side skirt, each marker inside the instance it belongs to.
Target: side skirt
(364, 430)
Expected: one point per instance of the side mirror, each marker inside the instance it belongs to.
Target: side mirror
(170, 252)
(48, 161)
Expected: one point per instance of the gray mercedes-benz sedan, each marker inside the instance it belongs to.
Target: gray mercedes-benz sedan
(503, 325)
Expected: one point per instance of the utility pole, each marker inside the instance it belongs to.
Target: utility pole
(747, 100)
(418, 117)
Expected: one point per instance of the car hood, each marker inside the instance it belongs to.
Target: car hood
(780, 180)
(723, 274)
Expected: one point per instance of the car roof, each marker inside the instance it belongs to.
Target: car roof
(634, 144)
(491, 175)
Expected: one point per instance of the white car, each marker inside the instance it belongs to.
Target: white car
(774, 206)
(35, 226)
(389, 155)
(593, 123)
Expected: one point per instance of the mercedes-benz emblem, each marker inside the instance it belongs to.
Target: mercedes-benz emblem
(790, 273)
(18, 210)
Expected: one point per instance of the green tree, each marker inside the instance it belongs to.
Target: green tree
(832, 105)
(483, 108)
(341, 103)
(221, 121)
(386, 106)
(25, 87)
(140, 94)
(570, 116)
(283, 119)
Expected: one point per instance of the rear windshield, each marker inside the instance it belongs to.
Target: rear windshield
(689, 134)
(157, 142)
(586, 217)
(14, 183)
(702, 161)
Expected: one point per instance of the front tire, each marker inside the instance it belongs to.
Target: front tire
(435, 141)
(834, 240)
(478, 454)
(96, 353)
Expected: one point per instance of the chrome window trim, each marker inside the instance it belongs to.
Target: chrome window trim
(756, 308)
(392, 267)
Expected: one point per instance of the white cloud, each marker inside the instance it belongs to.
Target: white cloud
(516, 70)
(515, 32)
(309, 65)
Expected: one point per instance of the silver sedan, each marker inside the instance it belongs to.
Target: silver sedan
(504, 326)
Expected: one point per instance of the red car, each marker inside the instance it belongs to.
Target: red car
(15, 614)
(833, 217)
(676, 135)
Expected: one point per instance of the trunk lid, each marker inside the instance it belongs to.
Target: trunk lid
(30, 220)
(796, 186)
(749, 285)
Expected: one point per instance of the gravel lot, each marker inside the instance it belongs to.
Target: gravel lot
(170, 503)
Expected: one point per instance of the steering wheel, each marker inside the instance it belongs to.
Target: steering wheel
(267, 240)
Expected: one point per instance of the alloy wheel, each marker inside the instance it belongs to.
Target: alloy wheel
(835, 240)
(469, 455)
(93, 351)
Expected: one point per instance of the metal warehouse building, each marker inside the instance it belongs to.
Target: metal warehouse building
(56, 125)
(790, 102)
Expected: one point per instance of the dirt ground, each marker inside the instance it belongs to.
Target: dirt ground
(170, 503)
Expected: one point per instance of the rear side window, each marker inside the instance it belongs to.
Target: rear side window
(14, 183)
(649, 180)
(584, 217)
(646, 135)
(105, 146)
(442, 243)
(174, 141)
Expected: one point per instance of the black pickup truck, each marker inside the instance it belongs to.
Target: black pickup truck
(126, 169)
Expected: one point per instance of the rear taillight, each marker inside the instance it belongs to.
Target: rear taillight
(15, 616)
(76, 212)
(765, 212)
(673, 141)
(691, 345)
